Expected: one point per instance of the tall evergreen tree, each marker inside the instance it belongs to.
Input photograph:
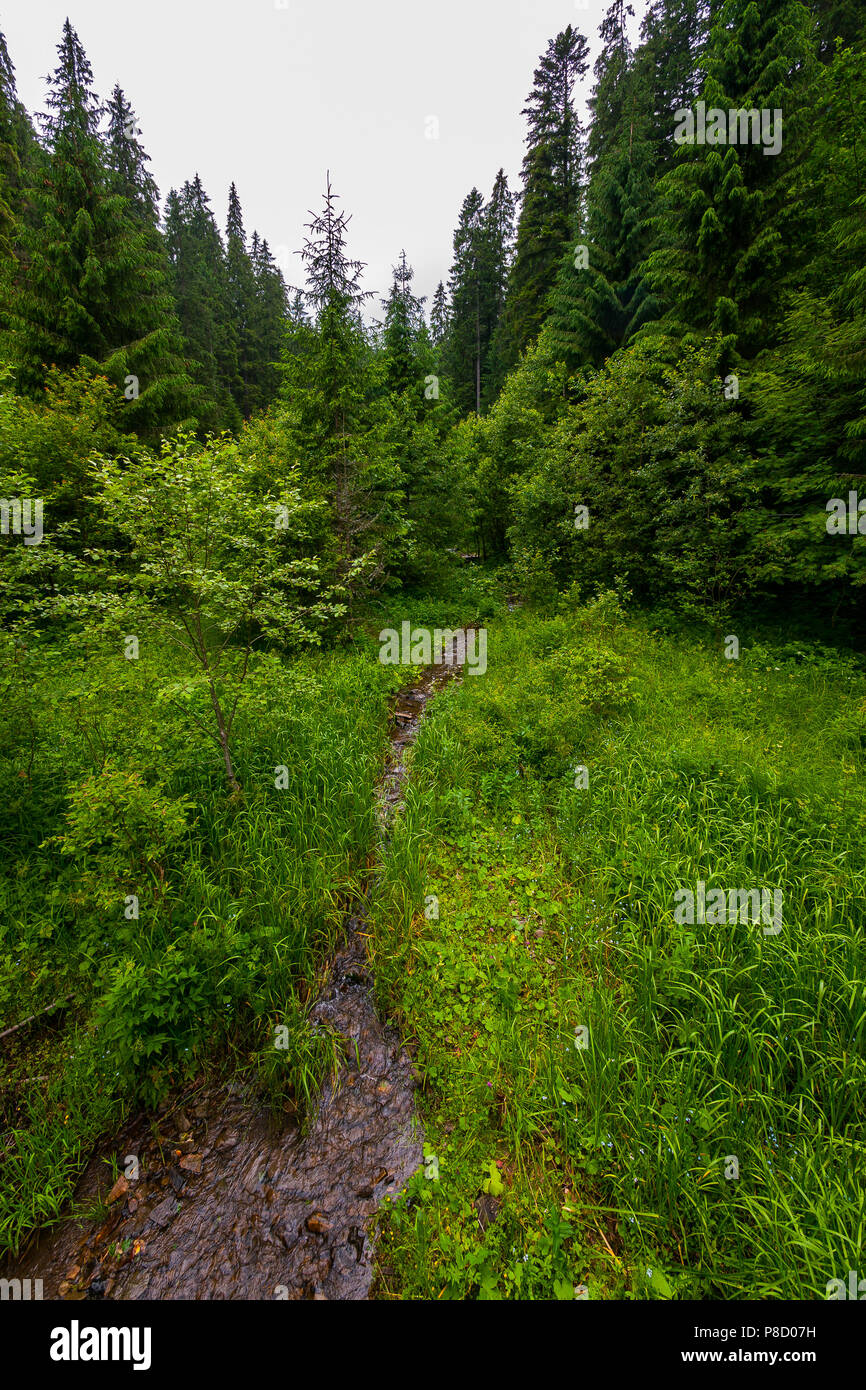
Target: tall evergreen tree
(18, 154)
(601, 299)
(415, 447)
(439, 315)
(328, 390)
(268, 322)
(673, 38)
(466, 285)
(298, 329)
(198, 275)
(128, 163)
(611, 66)
(401, 338)
(17, 144)
(551, 188)
(474, 351)
(94, 292)
(724, 240)
(241, 297)
(499, 248)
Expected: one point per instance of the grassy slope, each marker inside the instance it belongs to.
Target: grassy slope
(706, 1044)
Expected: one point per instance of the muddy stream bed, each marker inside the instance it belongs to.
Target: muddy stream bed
(224, 1207)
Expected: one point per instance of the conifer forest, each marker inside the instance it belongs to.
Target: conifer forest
(433, 711)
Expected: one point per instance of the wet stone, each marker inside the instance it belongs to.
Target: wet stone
(162, 1214)
(120, 1189)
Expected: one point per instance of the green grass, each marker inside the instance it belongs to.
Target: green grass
(705, 1044)
(241, 901)
(550, 909)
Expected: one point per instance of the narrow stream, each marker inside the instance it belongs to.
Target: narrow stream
(223, 1208)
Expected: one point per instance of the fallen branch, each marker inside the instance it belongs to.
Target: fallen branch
(38, 1014)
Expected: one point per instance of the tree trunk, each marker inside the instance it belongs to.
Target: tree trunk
(477, 347)
(224, 739)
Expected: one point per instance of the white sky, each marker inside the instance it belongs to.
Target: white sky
(271, 93)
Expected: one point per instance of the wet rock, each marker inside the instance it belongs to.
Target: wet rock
(487, 1208)
(161, 1215)
(318, 1224)
(120, 1189)
(356, 1240)
(370, 1189)
(191, 1163)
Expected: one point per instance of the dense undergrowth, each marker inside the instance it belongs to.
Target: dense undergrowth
(179, 926)
(617, 1104)
(651, 1109)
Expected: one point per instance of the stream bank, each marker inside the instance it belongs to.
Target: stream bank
(222, 1207)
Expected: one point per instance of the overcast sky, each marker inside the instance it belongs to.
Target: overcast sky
(408, 104)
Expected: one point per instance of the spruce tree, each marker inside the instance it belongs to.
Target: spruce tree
(268, 323)
(601, 298)
(241, 290)
(19, 154)
(467, 287)
(673, 38)
(404, 317)
(128, 163)
(608, 93)
(298, 332)
(439, 315)
(95, 291)
(725, 242)
(17, 145)
(198, 277)
(498, 232)
(415, 444)
(551, 189)
(329, 393)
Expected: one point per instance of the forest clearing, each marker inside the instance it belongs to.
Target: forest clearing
(433, 769)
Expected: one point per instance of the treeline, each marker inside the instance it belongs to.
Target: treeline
(186, 322)
(689, 315)
(126, 334)
(648, 368)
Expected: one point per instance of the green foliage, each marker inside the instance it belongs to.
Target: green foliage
(199, 283)
(549, 210)
(556, 914)
(95, 291)
(120, 831)
(475, 351)
(589, 1063)
(216, 570)
(657, 455)
(107, 795)
(723, 239)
